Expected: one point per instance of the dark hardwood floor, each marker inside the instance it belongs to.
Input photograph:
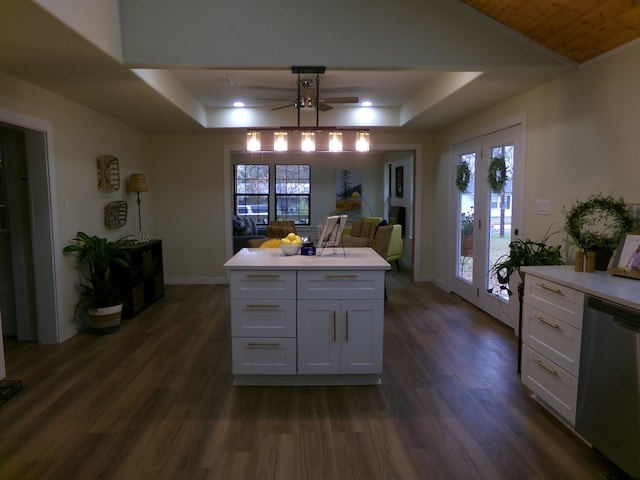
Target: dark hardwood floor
(156, 401)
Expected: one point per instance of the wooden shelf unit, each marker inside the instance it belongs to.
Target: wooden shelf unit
(143, 281)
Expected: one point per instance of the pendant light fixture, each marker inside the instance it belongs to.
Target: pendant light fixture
(280, 143)
(308, 142)
(335, 141)
(362, 141)
(253, 141)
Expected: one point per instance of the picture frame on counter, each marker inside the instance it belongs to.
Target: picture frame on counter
(626, 260)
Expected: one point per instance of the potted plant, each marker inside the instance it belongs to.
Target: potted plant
(99, 295)
(597, 224)
(466, 234)
(524, 253)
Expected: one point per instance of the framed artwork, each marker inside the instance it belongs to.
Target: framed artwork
(399, 182)
(108, 173)
(626, 260)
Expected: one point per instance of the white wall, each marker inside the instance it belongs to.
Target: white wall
(582, 138)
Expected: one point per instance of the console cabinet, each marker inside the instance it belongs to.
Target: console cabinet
(143, 282)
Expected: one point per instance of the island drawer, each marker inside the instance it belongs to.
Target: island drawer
(263, 318)
(264, 356)
(340, 284)
(263, 284)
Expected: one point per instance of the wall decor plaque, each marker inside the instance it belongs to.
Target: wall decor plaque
(108, 173)
(115, 214)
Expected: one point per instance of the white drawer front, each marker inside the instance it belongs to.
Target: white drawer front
(261, 284)
(264, 356)
(558, 388)
(263, 318)
(340, 284)
(555, 339)
(559, 301)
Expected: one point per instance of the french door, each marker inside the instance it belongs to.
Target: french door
(486, 221)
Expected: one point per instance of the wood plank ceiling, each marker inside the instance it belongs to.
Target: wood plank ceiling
(579, 30)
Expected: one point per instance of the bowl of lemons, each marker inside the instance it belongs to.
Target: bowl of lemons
(290, 245)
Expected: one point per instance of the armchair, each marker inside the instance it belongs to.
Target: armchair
(396, 244)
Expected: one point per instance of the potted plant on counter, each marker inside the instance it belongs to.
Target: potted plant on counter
(99, 296)
(597, 224)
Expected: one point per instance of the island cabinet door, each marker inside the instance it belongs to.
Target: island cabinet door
(319, 337)
(362, 330)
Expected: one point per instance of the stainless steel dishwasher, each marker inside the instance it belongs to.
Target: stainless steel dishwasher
(608, 410)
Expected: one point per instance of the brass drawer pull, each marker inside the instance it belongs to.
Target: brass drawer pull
(340, 276)
(548, 369)
(263, 344)
(262, 305)
(546, 322)
(550, 289)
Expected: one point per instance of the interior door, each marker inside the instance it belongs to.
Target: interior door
(485, 221)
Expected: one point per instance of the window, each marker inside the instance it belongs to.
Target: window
(289, 192)
(252, 192)
(293, 193)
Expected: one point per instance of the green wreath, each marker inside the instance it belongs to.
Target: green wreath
(463, 176)
(497, 176)
(598, 222)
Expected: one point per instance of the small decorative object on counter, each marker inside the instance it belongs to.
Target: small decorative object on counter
(579, 265)
(590, 263)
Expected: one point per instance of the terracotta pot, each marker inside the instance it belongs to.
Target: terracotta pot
(105, 320)
(466, 245)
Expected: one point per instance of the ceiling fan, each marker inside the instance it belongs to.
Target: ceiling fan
(308, 96)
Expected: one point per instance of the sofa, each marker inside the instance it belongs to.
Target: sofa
(396, 245)
(245, 229)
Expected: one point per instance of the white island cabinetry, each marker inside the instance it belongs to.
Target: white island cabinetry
(298, 320)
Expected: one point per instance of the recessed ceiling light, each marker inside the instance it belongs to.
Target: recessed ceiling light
(366, 103)
(238, 104)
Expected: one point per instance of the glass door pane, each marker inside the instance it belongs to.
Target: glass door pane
(466, 219)
(500, 213)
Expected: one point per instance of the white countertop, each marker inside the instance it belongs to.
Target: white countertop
(621, 290)
(273, 258)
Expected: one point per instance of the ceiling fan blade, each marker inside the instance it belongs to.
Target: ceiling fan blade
(275, 99)
(323, 107)
(340, 100)
(284, 106)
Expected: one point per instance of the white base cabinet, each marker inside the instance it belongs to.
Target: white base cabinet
(551, 335)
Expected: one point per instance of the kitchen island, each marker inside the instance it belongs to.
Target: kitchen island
(307, 320)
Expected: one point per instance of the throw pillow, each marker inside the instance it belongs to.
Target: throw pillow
(240, 227)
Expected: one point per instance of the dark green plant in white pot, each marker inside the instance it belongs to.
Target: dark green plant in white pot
(100, 296)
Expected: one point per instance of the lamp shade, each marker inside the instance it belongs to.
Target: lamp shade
(137, 183)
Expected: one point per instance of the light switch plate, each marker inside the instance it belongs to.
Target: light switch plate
(543, 207)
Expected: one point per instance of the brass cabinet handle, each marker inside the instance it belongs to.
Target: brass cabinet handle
(263, 305)
(546, 322)
(263, 344)
(551, 289)
(346, 334)
(548, 369)
(334, 326)
(341, 276)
